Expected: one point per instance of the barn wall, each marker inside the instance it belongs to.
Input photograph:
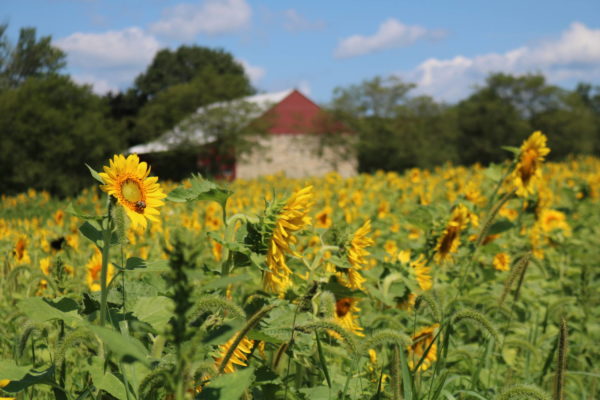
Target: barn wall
(295, 155)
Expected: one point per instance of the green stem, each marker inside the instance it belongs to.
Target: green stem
(106, 235)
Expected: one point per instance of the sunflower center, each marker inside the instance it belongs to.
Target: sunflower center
(131, 191)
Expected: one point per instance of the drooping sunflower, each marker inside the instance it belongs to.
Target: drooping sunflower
(423, 340)
(346, 316)
(239, 356)
(527, 170)
(292, 217)
(94, 268)
(450, 238)
(423, 272)
(357, 257)
(140, 195)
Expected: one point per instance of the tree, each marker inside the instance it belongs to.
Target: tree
(394, 131)
(172, 105)
(29, 58)
(171, 68)
(50, 127)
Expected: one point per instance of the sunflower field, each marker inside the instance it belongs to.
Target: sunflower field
(455, 283)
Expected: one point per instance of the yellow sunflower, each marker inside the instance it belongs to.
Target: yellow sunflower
(422, 340)
(423, 272)
(527, 171)
(501, 262)
(140, 195)
(357, 256)
(94, 267)
(450, 238)
(345, 316)
(238, 357)
(292, 217)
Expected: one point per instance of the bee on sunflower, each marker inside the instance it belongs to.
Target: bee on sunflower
(528, 169)
(140, 195)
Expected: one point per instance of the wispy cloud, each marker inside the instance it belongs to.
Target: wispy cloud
(391, 34)
(295, 22)
(212, 17)
(575, 54)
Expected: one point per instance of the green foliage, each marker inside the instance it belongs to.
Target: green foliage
(29, 58)
(70, 129)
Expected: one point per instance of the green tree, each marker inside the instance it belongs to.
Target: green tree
(50, 127)
(172, 105)
(29, 58)
(171, 68)
(394, 130)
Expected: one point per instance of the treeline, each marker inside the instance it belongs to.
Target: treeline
(396, 131)
(51, 126)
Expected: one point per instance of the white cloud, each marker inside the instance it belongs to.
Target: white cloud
(304, 87)
(391, 33)
(212, 17)
(573, 55)
(255, 73)
(130, 47)
(294, 22)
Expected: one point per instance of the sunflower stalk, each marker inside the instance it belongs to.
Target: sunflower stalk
(106, 236)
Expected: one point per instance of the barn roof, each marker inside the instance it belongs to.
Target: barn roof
(290, 110)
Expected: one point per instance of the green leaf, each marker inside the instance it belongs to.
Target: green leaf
(136, 263)
(31, 378)
(420, 217)
(512, 149)
(222, 333)
(93, 231)
(11, 371)
(76, 212)
(126, 349)
(317, 393)
(95, 174)
(224, 282)
(258, 335)
(156, 311)
(500, 226)
(201, 189)
(112, 385)
(406, 377)
(493, 172)
(40, 310)
(228, 386)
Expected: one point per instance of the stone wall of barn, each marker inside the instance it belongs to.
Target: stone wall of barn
(294, 154)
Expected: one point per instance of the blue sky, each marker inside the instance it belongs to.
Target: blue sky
(445, 47)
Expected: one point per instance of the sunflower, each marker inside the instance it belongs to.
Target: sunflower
(140, 195)
(239, 355)
(501, 262)
(357, 253)
(423, 272)
(323, 218)
(550, 220)
(292, 217)
(422, 341)
(450, 238)
(94, 267)
(531, 156)
(345, 315)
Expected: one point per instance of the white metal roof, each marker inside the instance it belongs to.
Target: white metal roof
(173, 137)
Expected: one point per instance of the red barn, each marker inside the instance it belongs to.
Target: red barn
(290, 146)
